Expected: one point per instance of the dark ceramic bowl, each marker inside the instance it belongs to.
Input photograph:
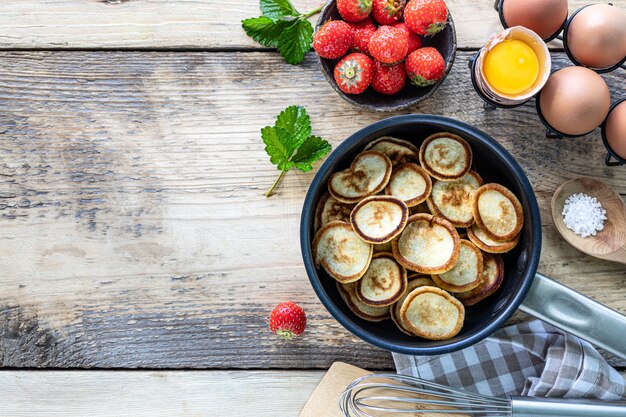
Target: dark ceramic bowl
(444, 42)
(494, 164)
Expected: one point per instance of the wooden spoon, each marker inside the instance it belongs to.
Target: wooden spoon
(609, 243)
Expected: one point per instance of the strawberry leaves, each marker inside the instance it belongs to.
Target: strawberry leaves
(290, 145)
(283, 27)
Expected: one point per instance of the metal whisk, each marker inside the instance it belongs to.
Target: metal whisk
(380, 395)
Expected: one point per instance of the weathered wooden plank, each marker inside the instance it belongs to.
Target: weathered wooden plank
(154, 394)
(134, 228)
(181, 23)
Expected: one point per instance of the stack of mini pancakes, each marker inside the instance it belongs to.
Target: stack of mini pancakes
(414, 234)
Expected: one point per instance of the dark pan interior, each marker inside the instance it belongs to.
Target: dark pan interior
(494, 164)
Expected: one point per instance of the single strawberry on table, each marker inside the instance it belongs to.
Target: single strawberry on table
(415, 41)
(426, 17)
(333, 39)
(354, 72)
(287, 320)
(354, 10)
(362, 33)
(388, 79)
(388, 12)
(388, 45)
(425, 66)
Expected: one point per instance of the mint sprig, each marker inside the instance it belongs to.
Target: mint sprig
(289, 143)
(283, 27)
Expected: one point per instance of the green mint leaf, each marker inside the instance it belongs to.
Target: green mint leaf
(275, 9)
(295, 41)
(277, 143)
(265, 30)
(296, 121)
(313, 149)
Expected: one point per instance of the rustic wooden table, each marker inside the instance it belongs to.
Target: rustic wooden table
(135, 232)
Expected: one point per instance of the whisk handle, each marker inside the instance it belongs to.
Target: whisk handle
(571, 407)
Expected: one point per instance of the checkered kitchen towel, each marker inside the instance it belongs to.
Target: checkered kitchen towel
(532, 358)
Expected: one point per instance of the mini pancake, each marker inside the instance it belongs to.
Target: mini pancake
(410, 183)
(330, 209)
(384, 281)
(432, 313)
(466, 273)
(446, 156)
(399, 151)
(452, 200)
(413, 283)
(379, 219)
(428, 244)
(369, 313)
(492, 277)
(368, 175)
(485, 243)
(497, 212)
(342, 253)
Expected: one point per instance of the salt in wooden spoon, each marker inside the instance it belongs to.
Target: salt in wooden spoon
(609, 243)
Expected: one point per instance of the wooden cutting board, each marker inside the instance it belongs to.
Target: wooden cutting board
(324, 402)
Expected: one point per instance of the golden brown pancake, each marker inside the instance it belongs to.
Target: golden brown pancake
(497, 212)
(432, 313)
(428, 244)
(446, 156)
(415, 281)
(452, 200)
(342, 253)
(330, 209)
(368, 175)
(379, 218)
(410, 183)
(466, 273)
(399, 151)
(369, 313)
(384, 281)
(491, 279)
(485, 243)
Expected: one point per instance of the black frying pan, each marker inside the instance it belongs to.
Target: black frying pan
(522, 287)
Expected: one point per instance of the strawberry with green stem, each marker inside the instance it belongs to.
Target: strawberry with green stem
(425, 66)
(387, 12)
(289, 143)
(354, 10)
(426, 17)
(287, 320)
(353, 73)
(333, 39)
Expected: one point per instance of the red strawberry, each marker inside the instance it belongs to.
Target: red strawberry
(388, 45)
(426, 17)
(387, 79)
(287, 320)
(425, 66)
(387, 12)
(354, 72)
(415, 42)
(333, 39)
(354, 10)
(362, 31)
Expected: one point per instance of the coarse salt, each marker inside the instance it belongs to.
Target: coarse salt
(583, 215)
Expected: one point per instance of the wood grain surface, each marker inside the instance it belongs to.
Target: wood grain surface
(135, 230)
(176, 24)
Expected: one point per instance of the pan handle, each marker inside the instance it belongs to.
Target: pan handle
(571, 311)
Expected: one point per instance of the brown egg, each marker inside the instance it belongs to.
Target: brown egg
(544, 17)
(615, 129)
(596, 36)
(575, 100)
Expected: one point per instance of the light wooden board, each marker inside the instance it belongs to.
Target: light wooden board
(163, 393)
(155, 394)
(119, 24)
(134, 228)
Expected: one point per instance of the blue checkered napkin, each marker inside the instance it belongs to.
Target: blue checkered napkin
(532, 358)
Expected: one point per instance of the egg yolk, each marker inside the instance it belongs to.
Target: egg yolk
(511, 67)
